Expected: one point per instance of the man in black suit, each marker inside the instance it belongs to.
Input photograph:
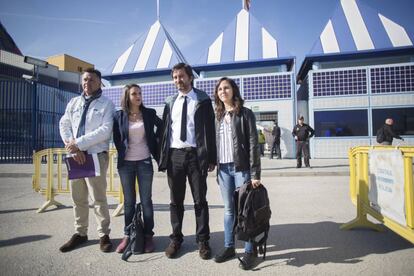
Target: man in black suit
(188, 150)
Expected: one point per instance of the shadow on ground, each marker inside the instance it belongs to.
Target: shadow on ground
(323, 242)
(16, 210)
(187, 207)
(303, 168)
(301, 244)
(20, 240)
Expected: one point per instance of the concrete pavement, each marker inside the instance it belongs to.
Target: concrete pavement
(270, 167)
(308, 207)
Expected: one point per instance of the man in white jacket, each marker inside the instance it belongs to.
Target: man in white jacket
(86, 128)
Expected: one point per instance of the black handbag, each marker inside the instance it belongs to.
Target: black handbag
(136, 242)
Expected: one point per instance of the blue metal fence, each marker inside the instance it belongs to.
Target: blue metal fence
(28, 125)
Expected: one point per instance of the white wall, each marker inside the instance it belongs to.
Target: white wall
(284, 109)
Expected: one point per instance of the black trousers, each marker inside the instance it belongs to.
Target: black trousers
(302, 146)
(276, 149)
(183, 164)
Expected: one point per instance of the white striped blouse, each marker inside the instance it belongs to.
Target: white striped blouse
(226, 140)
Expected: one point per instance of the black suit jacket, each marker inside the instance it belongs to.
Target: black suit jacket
(204, 132)
(121, 132)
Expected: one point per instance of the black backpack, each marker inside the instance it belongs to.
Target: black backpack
(380, 135)
(136, 235)
(252, 215)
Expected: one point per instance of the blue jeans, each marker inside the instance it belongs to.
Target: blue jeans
(128, 173)
(229, 181)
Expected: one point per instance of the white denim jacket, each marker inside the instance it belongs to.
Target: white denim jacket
(98, 124)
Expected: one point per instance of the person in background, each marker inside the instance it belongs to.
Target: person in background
(276, 142)
(188, 150)
(302, 133)
(262, 141)
(86, 127)
(238, 160)
(389, 133)
(136, 140)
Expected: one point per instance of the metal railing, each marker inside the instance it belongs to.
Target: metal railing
(53, 181)
(360, 187)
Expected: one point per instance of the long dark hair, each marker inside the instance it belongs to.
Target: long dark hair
(237, 99)
(125, 102)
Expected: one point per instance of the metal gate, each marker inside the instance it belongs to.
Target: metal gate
(29, 118)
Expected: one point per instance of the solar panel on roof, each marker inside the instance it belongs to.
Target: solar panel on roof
(155, 94)
(209, 85)
(340, 82)
(392, 79)
(267, 87)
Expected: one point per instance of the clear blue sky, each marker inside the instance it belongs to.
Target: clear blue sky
(100, 31)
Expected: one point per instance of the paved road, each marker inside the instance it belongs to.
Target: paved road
(308, 207)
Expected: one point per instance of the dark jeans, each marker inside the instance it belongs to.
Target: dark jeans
(183, 163)
(128, 173)
(261, 149)
(302, 146)
(276, 149)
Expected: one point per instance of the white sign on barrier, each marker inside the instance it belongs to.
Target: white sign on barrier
(386, 179)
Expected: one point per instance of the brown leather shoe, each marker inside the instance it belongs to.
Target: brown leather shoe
(105, 244)
(74, 242)
(172, 249)
(204, 250)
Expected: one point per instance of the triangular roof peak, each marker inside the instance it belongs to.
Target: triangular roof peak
(244, 39)
(356, 27)
(155, 50)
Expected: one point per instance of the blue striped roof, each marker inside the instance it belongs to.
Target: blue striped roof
(6, 41)
(355, 27)
(153, 51)
(244, 39)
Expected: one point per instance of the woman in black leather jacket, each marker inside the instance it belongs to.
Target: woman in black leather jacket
(238, 159)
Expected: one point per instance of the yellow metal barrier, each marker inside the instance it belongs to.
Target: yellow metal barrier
(359, 188)
(54, 184)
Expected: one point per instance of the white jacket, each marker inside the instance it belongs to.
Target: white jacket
(98, 124)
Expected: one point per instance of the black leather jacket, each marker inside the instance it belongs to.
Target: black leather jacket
(204, 132)
(246, 147)
(303, 132)
(389, 133)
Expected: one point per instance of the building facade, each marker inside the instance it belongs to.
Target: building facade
(360, 72)
(244, 51)
(68, 63)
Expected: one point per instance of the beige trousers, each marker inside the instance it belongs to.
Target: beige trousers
(95, 187)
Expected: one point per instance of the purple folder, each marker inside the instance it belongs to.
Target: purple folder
(88, 169)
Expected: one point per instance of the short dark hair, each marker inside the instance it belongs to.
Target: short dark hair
(93, 71)
(187, 68)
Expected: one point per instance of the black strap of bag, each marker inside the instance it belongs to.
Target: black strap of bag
(136, 240)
